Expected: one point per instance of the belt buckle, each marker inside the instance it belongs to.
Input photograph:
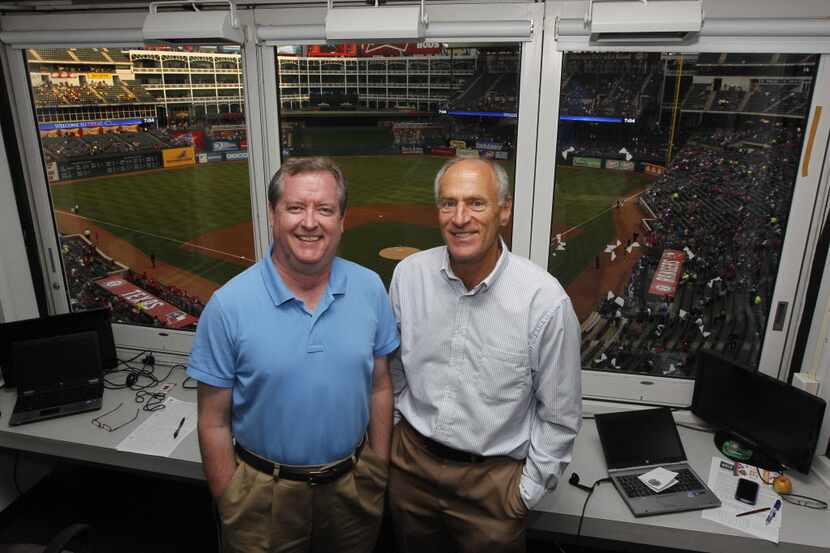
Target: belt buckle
(313, 476)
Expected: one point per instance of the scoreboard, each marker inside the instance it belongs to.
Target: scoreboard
(101, 166)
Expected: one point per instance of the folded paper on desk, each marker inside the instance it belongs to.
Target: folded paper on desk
(723, 480)
(162, 433)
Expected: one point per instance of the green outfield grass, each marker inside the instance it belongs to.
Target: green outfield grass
(160, 211)
(583, 200)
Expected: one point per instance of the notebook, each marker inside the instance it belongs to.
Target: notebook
(635, 442)
(56, 376)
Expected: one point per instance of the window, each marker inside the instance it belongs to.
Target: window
(675, 175)
(145, 155)
(390, 115)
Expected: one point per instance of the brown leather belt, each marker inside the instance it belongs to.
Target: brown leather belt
(311, 475)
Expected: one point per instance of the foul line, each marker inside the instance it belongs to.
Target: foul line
(597, 216)
(157, 236)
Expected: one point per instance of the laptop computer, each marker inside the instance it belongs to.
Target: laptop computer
(56, 376)
(636, 442)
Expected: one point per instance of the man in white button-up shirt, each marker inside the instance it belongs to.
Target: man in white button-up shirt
(487, 381)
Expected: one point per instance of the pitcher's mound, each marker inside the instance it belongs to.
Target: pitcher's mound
(397, 253)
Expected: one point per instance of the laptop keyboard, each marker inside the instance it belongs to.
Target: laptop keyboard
(44, 400)
(686, 481)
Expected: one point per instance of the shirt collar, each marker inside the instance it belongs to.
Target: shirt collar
(489, 280)
(280, 293)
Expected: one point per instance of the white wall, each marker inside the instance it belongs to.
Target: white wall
(17, 295)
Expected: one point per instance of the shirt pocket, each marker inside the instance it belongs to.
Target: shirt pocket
(502, 375)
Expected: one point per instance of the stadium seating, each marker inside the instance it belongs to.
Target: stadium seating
(719, 184)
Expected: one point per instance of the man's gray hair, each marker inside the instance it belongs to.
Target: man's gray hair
(297, 165)
(502, 180)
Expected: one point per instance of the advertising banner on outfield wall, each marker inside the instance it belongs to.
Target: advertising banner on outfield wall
(235, 156)
(189, 138)
(412, 150)
(224, 146)
(652, 169)
(664, 282)
(458, 144)
(467, 152)
(587, 162)
(169, 315)
(619, 165)
(178, 157)
(501, 155)
(442, 151)
(52, 171)
(489, 146)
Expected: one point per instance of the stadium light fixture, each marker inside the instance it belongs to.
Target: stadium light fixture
(193, 27)
(376, 23)
(643, 21)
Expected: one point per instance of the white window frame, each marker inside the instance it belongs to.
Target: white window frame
(529, 84)
(262, 120)
(810, 195)
(164, 341)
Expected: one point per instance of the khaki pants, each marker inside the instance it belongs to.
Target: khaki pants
(261, 513)
(442, 506)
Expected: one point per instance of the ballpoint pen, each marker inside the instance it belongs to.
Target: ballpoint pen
(753, 511)
(176, 433)
(774, 510)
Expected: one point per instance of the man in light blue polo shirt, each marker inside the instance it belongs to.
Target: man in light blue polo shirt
(290, 356)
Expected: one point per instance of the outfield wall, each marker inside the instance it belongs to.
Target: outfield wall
(99, 166)
(613, 164)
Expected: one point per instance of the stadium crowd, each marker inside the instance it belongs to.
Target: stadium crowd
(85, 264)
(721, 184)
(69, 146)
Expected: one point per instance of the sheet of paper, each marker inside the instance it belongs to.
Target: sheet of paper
(155, 435)
(723, 482)
(659, 479)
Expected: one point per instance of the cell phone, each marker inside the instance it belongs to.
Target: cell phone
(747, 491)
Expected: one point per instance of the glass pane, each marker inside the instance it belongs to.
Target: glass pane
(674, 179)
(390, 115)
(145, 153)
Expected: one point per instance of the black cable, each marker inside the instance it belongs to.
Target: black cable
(693, 427)
(764, 480)
(585, 505)
(559, 547)
(14, 475)
(186, 387)
(217, 518)
(141, 380)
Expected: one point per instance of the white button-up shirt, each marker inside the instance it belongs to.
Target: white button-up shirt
(494, 370)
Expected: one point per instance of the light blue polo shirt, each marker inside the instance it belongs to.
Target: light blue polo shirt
(301, 381)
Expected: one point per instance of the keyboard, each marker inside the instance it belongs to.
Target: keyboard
(686, 481)
(45, 400)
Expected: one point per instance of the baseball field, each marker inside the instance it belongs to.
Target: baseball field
(196, 221)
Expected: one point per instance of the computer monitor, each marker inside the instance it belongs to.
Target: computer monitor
(779, 422)
(96, 320)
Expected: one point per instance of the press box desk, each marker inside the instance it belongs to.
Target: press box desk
(607, 517)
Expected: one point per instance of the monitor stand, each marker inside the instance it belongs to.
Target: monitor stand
(757, 457)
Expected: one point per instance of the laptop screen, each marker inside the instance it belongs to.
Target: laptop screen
(57, 362)
(637, 438)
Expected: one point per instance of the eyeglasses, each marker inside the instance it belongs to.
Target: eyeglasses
(446, 205)
(804, 501)
(97, 420)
